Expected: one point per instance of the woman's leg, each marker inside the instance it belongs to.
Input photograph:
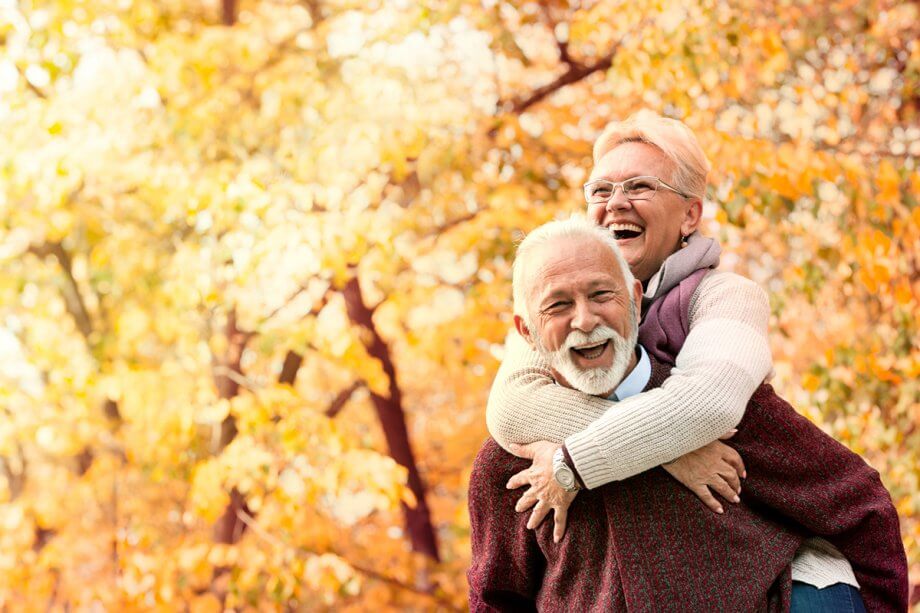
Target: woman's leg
(838, 597)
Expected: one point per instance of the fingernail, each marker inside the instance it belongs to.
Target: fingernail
(736, 499)
(555, 539)
(744, 475)
(719, 510)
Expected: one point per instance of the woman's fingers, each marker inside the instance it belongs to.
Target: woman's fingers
(702, 492)
(729, 476)
(519, 479)
(724, 490)
(526, 501)
(734, 458)
(559, 516)
(539, 514)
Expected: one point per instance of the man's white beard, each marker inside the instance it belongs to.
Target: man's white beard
(593, 381)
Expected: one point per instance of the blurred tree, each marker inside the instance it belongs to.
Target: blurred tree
(255, 264)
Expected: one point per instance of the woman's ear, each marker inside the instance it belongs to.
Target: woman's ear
(692, 218)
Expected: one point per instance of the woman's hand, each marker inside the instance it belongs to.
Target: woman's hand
(714, 466)
(544, 494)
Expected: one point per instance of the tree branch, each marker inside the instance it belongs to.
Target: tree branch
(343, 397)
(73, 299)
(575, 73)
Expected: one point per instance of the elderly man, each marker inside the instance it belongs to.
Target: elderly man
(644, 543)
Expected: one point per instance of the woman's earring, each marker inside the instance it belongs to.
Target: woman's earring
(683, 240)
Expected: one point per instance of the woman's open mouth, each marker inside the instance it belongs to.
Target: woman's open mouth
(592, 352)
(625, 231)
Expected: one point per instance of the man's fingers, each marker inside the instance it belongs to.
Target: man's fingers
(706, 496)
(724, 490)
(734, 458)
(539, 513)
(559, 516)
(522, 451)
(526, 501)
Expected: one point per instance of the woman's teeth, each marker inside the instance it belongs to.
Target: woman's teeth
(625, 230)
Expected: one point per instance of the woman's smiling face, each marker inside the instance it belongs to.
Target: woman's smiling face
(648, 231)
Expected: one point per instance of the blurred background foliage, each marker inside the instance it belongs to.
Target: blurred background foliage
(255, 261)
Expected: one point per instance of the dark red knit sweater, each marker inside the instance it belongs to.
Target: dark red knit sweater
(648, 544)
(845, 501)
(643, 544)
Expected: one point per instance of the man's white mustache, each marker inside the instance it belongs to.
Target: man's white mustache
(577, 338)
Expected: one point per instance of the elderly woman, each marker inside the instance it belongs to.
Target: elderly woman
(647, 188)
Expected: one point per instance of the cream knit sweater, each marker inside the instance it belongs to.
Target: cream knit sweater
(724, 359)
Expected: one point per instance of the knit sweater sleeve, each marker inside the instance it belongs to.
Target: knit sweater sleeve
(725, 357)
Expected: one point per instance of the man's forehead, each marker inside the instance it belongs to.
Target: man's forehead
(571, 262)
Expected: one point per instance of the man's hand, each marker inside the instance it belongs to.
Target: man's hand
(715, 466)
(544, 493)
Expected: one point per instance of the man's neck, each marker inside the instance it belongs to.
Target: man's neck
(633, 360)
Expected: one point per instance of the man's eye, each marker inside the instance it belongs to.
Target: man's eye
(557, 306)
(602, 295)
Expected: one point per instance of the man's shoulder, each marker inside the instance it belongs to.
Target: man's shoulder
(493, 465)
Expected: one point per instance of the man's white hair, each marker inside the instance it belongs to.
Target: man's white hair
(574, 227)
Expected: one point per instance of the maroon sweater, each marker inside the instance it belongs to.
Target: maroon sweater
(846, 502)
(642, 544)
(648, 544)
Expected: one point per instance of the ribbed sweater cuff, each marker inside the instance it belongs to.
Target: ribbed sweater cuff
(588, 459)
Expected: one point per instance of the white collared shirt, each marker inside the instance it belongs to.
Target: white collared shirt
(634, 382)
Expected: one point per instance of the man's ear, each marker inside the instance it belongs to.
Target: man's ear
(692, 218)
(522, 329)
(637, 296)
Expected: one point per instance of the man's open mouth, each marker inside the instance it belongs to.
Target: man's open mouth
(590, 352)
(623, 231)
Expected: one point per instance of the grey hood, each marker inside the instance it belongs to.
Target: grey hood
(699, 252)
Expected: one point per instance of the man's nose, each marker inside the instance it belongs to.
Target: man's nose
(585, 319)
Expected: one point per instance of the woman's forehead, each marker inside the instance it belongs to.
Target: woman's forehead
(632, 159)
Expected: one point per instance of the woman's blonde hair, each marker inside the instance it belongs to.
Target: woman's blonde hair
(671, 136)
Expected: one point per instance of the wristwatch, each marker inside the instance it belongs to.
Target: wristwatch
(563, 474)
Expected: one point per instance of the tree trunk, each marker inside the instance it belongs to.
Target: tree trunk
(228, 12)
(229, 528)
(392, 419)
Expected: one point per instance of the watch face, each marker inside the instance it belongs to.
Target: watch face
(565, 477)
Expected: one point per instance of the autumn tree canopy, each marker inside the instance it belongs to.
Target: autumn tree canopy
(255, 265)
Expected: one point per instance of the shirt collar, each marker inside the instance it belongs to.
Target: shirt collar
(636, 380)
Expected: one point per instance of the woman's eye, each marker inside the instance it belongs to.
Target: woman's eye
(600, 192)
(639, 186)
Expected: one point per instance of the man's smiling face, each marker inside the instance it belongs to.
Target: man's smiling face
(580, 311)
(647, 231)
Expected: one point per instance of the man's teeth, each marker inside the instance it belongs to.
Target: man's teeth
(591, 351)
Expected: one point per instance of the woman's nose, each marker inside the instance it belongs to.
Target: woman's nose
(618, 201)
